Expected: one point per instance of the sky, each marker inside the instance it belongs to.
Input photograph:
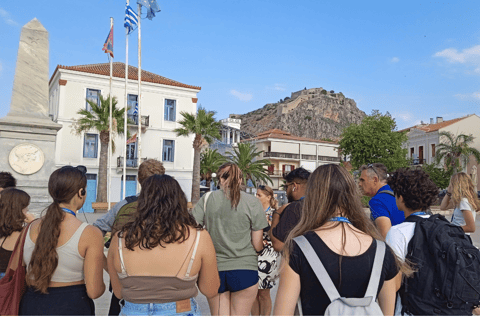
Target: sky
(414, 59)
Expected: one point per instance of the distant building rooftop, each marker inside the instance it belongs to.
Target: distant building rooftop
(280, 134)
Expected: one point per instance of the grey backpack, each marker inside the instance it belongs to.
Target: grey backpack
(341, 306)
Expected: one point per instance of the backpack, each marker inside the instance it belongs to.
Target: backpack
(344, 306)
(125, 213)
(447, 279)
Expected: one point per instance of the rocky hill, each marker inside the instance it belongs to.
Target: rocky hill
(311, 113)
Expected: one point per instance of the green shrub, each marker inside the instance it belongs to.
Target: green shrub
(324, 91)
(365, 200)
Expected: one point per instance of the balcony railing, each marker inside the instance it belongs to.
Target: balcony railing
(131, 163)
(418, 161)
(308, 157)
(281, 155)
(331, 159)
(275, 172)
(134, 119)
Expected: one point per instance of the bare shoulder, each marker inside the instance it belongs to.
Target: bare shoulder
(92, 234)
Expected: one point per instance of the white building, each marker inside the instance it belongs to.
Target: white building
(423, 139)
(287, 152)
(162, 100)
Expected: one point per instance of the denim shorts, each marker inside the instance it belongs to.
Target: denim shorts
(236, 280)
(158, 309)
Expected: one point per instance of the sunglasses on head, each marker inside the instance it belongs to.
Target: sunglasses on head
(370, 166)
(82, 169)
(261, 187)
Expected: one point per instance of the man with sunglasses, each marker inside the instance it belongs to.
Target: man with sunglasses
(383, 208)
(287, 217)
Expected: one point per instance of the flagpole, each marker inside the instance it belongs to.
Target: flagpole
(125, 114)
(139, 136)
(110, 130)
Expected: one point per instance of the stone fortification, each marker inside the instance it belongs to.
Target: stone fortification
(313, 113)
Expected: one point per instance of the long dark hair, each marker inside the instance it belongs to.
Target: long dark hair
(233, 177)
(161, 217)
(63, 185)
(12, 202)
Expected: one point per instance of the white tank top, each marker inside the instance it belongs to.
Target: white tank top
(70, 262)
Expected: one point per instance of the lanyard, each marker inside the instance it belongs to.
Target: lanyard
(340, 219)
(420, 213)
(301, 198)
(69, 211)
(267, 209)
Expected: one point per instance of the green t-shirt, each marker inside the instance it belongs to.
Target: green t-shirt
(230, 229)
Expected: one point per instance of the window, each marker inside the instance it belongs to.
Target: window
(168, 150)
(94, 96)
(170, 109)
(433, 150)
(131, 103)
(412, 151)
(90, 145)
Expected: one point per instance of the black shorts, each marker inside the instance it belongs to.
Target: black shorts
(236, 280)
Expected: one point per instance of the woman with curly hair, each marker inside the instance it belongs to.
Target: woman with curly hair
(414, 192)
(346, 242)
(462, 198)
(157, 260)
(64, 256)
(268, 259)
(13, 210)
(235, 220)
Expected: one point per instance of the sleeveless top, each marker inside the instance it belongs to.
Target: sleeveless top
(158, 289)
(70, 262)
(4, 257)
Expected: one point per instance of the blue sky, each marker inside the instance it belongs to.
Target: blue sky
(415, 59)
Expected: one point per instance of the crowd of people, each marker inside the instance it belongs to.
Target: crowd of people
(327, 256)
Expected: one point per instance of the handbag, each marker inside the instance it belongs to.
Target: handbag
(12, 285)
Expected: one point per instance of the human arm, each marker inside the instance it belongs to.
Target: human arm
(289, 219)
(114, 280)
(276, 243)
(466, 210)
(386, 297)
(383, 225)
(208, 280)
(198, 211)
(257, 240)
(105, 222)
(288, 292)
(447, 202)
(94, 262)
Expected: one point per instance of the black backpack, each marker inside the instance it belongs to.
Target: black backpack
(447, 277)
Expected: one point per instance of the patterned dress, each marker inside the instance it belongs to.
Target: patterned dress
(268, 260)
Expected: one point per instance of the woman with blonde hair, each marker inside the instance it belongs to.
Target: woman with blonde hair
(461, 197)
(235, 221)
(268, 259)
(344, 239)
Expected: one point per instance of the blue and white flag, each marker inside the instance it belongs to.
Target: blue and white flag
(135, 111)
(151, 6)
(131, 19)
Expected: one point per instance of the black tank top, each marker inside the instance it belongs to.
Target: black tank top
(4, 257)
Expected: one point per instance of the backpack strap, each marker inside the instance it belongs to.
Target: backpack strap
(205, 209)
(388, 192)
(376, 270)
(318, 268)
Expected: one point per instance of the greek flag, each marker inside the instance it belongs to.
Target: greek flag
(135, 111)
(151, 6)
(131, 19)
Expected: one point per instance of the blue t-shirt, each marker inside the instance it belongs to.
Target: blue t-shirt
(384, 205)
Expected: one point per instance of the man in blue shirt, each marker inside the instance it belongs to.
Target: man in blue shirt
(383, 208)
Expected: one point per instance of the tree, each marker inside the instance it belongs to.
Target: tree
(99, 119)
(210, 161)
(244, 157)
(375, 141)
(440, 176)
(455, 150)
(205, 128)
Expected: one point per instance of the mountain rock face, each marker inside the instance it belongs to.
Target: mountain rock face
(310, 113)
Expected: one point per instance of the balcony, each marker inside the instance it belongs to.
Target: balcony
(418, 161)
(131, 163)
(134, 120)
(329, 159)
(275, 173)
(281, 155)
(308, 157)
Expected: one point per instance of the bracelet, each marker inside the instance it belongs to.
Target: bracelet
(277, 213)
(449, 194)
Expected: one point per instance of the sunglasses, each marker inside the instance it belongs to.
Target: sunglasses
(261, 187)
(82, 169)
(370, 166)
(285, 187)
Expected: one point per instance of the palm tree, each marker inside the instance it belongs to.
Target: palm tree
(205, 128)
(99, 119)
(455, 150)
(210, 161)
(244, 157)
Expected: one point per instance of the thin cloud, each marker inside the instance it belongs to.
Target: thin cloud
(279, 87)
(474, 96)
(469, 56)
(394, 60)
(6, 18)
(241, 96)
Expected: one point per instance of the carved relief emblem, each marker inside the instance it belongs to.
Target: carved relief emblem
(26, 158)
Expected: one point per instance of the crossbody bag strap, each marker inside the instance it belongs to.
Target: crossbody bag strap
(207, 195)
(18, 249)
(376, 270)
(318, 268)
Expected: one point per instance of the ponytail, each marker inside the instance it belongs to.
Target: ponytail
(44, 257)
(232, 175)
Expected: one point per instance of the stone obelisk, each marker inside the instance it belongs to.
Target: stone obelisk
(27, 134)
